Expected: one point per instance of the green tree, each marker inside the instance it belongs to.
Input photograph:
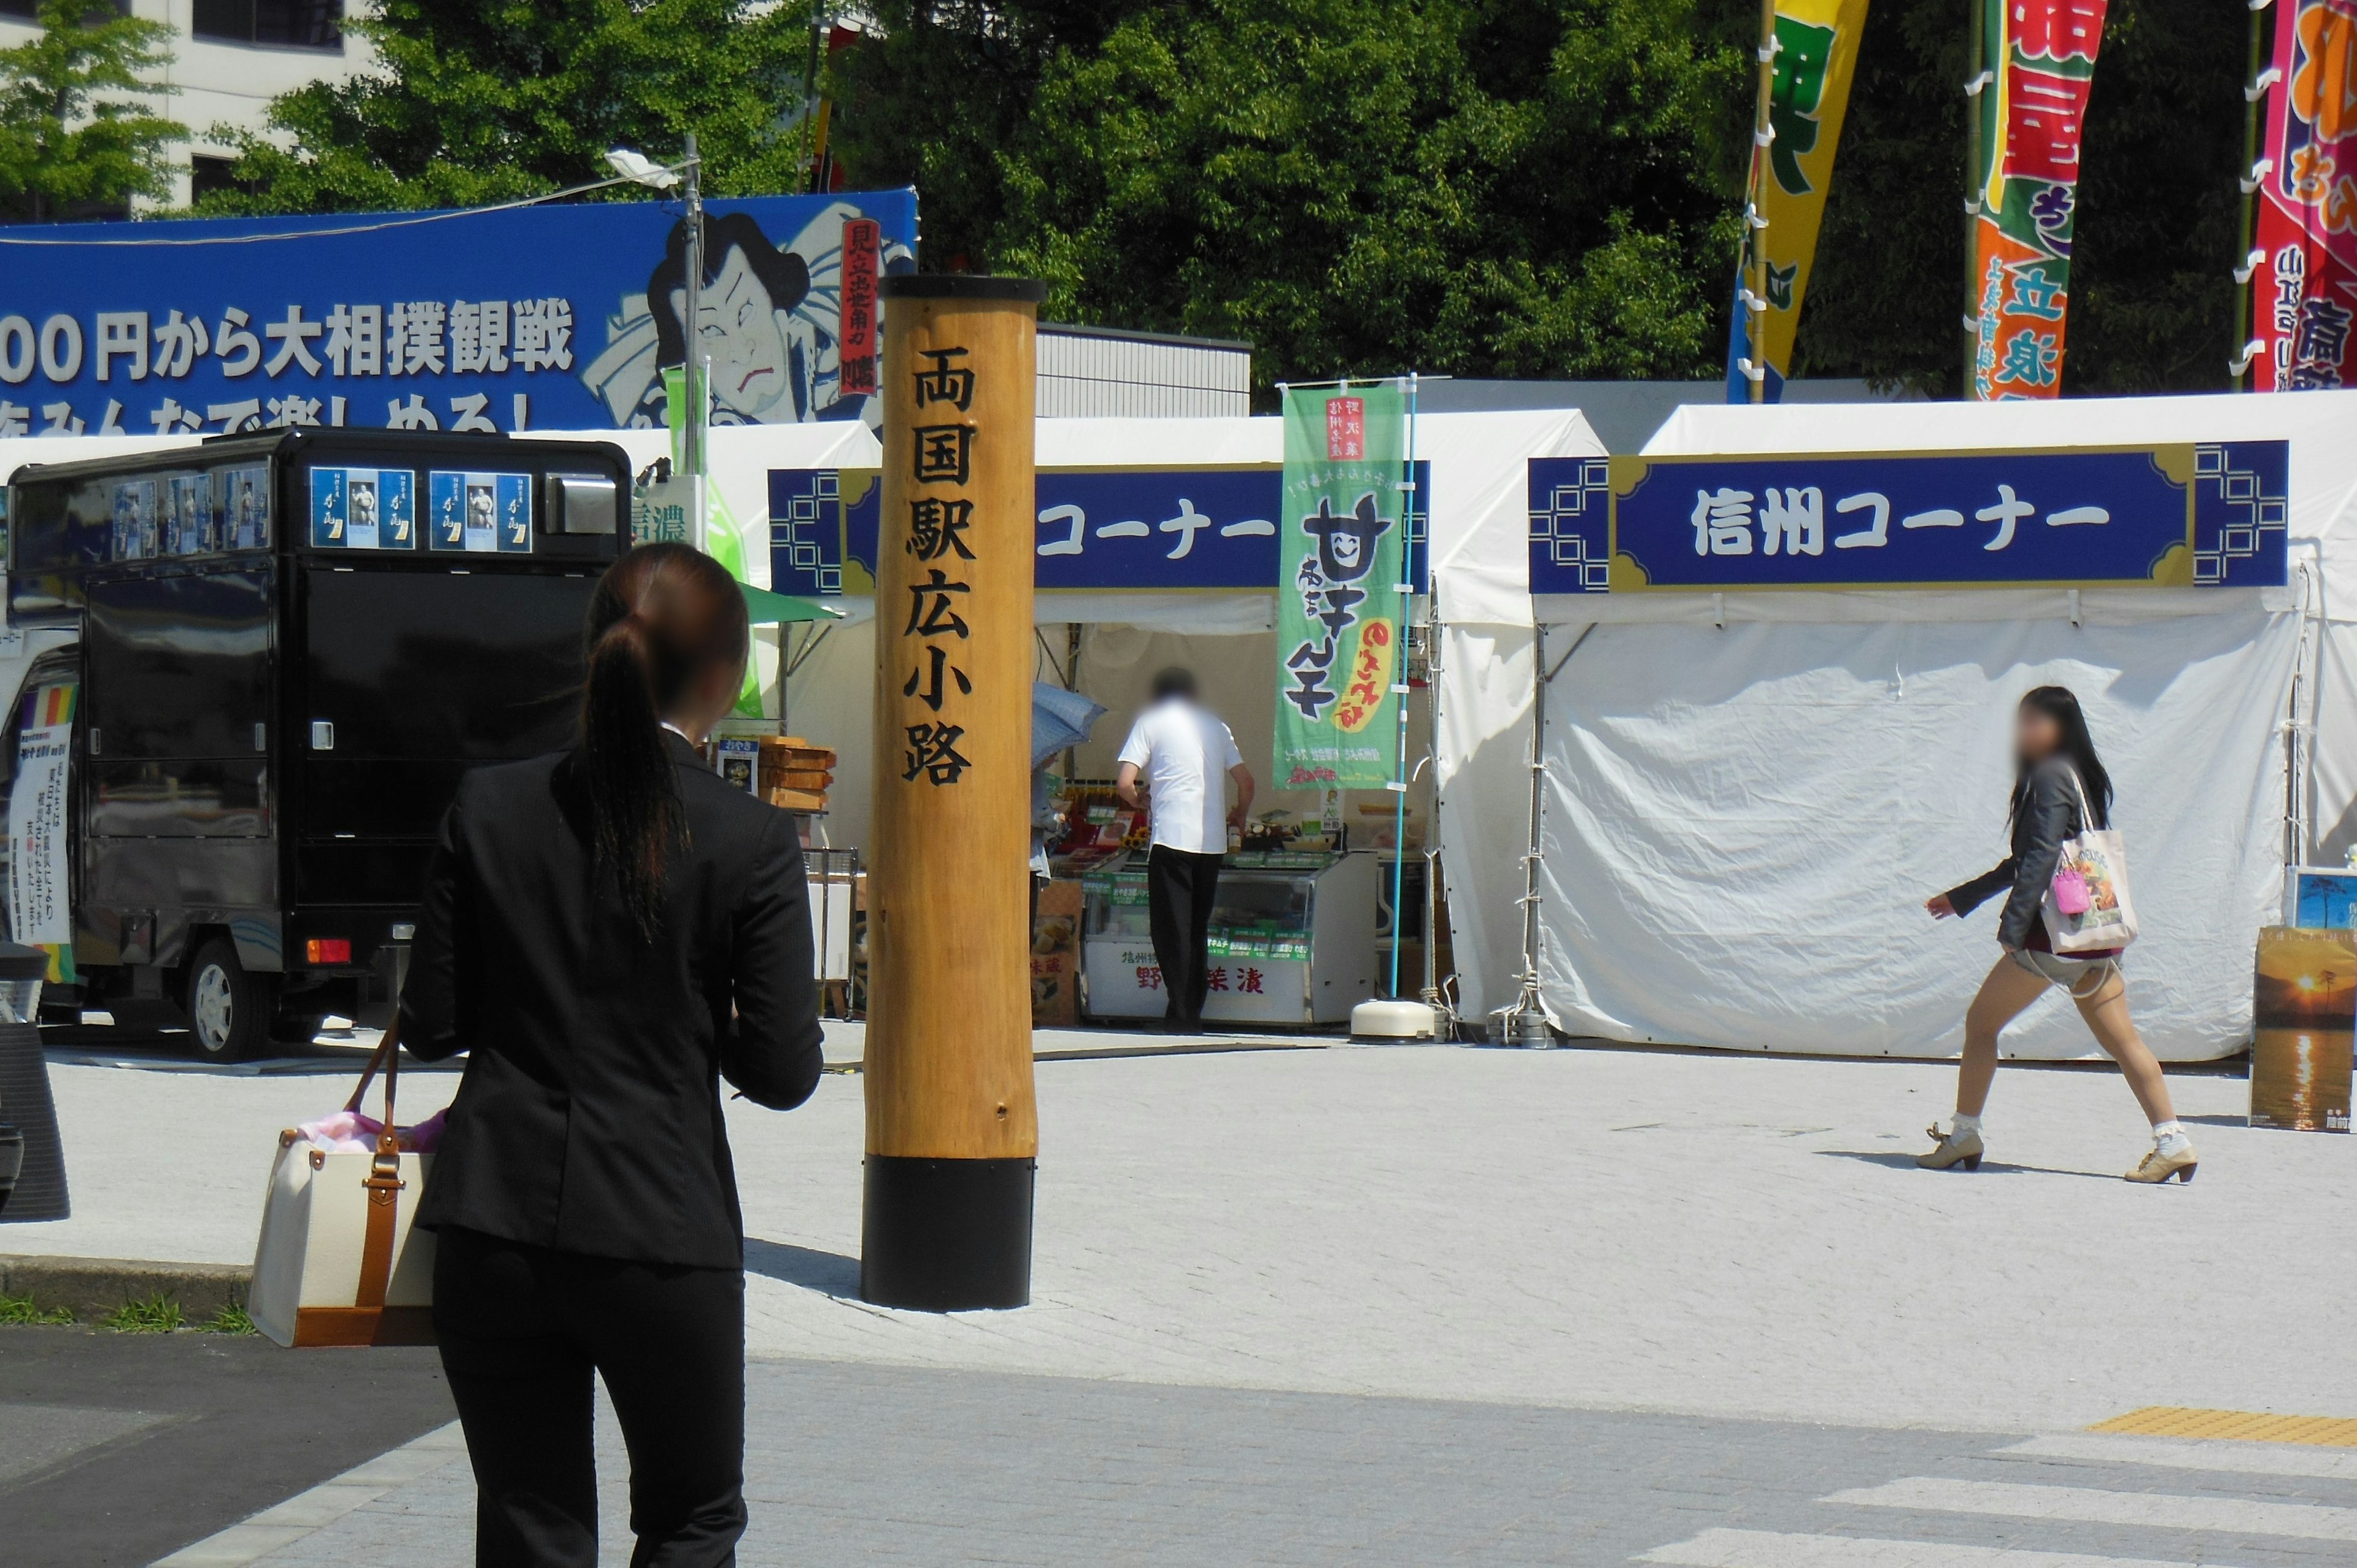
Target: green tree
(77, 138)
(482, 100)
(1524, 187)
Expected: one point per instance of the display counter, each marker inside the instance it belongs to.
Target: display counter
(1292, 940)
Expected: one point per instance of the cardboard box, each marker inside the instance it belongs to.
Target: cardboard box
(2304, 1017)
(1055, 957)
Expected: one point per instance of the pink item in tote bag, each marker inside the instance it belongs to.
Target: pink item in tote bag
(2070, 894)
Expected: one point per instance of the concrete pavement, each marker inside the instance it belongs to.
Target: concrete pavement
(1715, 1235)
(1337, 1250)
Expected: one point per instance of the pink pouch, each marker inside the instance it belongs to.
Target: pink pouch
(2071, 891)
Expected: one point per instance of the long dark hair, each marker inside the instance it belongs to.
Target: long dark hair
(663, 615)
(2061, 704)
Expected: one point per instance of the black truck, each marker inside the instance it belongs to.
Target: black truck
(287, 648)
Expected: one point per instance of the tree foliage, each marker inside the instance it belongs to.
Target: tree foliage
(1517, 188)
(482, 100)
(76, 136)
(1480, 188)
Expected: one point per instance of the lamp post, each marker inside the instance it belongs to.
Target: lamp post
(688, 175)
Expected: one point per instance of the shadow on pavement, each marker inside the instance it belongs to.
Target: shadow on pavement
(831, 1274)
(1988, 1167)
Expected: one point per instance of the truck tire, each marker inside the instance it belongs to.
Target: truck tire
(229, 1010)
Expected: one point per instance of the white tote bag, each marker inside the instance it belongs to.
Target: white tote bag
(2100, 857)
(338, 1263)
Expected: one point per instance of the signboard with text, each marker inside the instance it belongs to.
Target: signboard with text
(542, 317)
(2191, 515)
(1123, 529)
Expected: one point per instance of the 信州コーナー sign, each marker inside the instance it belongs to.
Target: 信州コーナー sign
(2184, 515)
(551, 318)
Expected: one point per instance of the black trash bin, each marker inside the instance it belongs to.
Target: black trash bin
(26, 1106)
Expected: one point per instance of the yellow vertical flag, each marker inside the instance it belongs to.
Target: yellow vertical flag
(1816, 50)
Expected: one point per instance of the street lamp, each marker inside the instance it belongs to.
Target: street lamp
(640, 169)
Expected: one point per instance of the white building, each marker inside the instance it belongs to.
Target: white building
(230, 59)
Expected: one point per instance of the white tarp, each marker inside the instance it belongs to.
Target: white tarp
(1750, 795)
(1741, 826)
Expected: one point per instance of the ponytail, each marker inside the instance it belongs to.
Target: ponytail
(661, 617)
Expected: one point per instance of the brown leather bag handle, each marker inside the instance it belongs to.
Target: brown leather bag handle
(388, 1050)
(384, 1180)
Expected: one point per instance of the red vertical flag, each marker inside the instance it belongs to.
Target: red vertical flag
(861, 239)
(2305, 281)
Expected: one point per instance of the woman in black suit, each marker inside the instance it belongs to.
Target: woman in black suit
(608, 932)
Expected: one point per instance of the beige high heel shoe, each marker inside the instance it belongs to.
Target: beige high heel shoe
(1952, 1151)
(2156, 1166)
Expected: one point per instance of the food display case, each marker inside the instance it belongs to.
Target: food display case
(1292, 940)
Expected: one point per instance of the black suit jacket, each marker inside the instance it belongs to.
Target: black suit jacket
(589, 1117)
(2045, 819)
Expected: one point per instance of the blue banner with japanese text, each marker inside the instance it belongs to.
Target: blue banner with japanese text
(1200, 529)
(553, 317)
(2189, 515)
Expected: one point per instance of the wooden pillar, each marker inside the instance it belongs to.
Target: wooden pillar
(952, 1130)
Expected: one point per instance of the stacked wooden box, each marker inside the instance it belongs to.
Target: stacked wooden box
(795, 774)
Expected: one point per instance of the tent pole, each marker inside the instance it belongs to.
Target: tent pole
(1525, 1019)
(1399, 689)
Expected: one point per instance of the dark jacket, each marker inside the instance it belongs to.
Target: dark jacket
(589, 1117)
(2050, 816)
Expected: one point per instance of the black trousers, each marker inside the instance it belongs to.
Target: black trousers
(1180, 888)
(522, 1330)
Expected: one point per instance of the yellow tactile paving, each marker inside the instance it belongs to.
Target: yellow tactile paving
(2250, 1426)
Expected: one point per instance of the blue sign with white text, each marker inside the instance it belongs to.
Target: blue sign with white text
(1200, 529)
(540, 317)
(2189, 515)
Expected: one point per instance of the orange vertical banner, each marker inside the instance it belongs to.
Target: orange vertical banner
(2032, 116)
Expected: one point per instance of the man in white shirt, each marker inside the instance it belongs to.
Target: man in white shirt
(1182, 748)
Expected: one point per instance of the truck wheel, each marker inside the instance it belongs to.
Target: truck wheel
(229, 1010)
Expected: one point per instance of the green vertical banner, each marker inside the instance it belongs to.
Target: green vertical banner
(1338, 601)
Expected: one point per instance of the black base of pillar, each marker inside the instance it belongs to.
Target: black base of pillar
(25, 1101)
(947, 1235)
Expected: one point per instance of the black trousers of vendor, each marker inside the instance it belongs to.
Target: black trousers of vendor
(1180, 888)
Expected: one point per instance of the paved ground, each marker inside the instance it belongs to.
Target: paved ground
(117, 1448)
(1411, 1304)
(863, 1465)
(1713, 1235)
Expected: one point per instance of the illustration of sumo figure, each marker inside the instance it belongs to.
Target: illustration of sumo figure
(363, 506)
(1346, 545)
(249, 532)
(764, 358)
(482, 511)
(195, 506)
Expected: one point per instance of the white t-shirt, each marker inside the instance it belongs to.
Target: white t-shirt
(1185, 753)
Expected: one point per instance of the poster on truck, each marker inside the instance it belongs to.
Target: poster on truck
(41, 889)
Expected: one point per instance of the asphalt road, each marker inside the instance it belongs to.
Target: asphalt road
(120, 1448)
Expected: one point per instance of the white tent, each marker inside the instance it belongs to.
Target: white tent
(1749, 796)
(1478, 530)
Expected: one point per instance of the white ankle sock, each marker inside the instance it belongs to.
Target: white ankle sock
(2170, 1138)
(1962, 1125)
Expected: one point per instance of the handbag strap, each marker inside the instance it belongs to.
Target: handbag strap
(384, 1180)
(388, 1047)
(2086, 807)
